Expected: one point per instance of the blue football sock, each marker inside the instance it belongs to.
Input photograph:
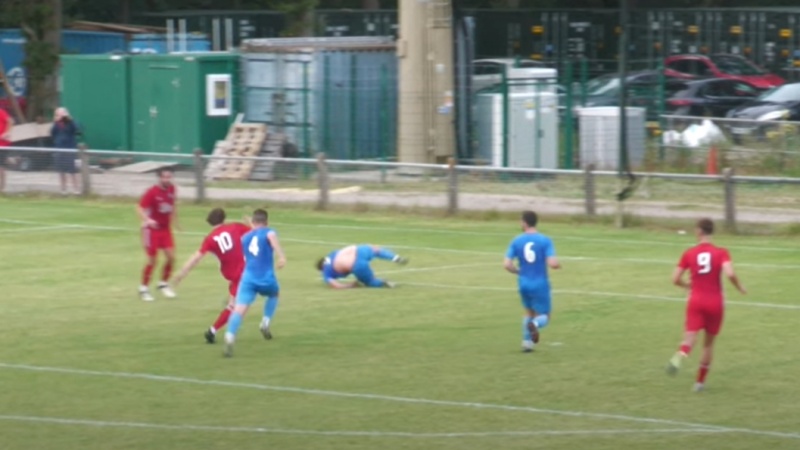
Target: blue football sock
(234, 323)
(270, 306)
(541, 321)
(526, 334)
(385, 254)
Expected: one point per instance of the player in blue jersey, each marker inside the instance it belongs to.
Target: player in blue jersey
(260, 246)
(355, 259)
(534, 253)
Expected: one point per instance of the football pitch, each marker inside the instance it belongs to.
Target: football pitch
(434, 363)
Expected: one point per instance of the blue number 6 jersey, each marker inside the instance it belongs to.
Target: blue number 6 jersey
(531, 250)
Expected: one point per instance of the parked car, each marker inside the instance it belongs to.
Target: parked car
(604, 91)
(712, 97)
(733, 67)
(487, 73)
(782, 103)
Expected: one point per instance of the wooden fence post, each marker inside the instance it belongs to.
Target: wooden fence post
(199, 179)
(590, 195)
(323, 182)
(452, 187)
(730, 199)
(86, 171)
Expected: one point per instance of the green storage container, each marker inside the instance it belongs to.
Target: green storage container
(95, 89)
(182, 102)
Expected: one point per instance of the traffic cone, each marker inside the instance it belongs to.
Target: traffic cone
(711, 164)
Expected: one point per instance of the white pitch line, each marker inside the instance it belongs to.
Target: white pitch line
(397, 399)
(490, 288)
(37, 229)
(428, 249)
(434, 268)
(599, 294)
(683, 244)
(509, 235)
(373, 434)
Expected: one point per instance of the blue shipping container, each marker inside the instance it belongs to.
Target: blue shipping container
(12, 51)
(157, 43)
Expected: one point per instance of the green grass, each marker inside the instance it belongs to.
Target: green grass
(448, 334)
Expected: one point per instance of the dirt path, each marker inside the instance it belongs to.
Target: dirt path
(125, 184)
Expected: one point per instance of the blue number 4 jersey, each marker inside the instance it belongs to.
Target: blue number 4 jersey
(531, 250)
(259, 261)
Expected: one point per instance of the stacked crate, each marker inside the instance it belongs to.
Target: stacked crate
(243, 140)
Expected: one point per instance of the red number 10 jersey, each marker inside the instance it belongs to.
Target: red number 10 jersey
(225, 242)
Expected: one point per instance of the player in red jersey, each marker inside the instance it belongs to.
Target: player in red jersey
(704, 311)
(225, 242)
(157, 211)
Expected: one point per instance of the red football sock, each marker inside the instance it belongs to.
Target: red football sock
(167, 272)
(685, 349)
(148, 271)
(223, 318)
(701, 374)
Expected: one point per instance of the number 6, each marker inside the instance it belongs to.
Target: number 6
(530, 255)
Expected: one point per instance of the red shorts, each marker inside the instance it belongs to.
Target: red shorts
(704, 316)
(155, 240)
(233, 276)
(233, 287)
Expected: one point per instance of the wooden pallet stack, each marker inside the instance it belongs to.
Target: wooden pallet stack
(243, 140)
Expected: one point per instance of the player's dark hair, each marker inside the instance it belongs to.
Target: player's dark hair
(706, 226)
(260, 216)
(216, 217)
(530, 218)
(163, 170)
(320, 263)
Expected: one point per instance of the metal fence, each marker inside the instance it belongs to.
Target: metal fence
(753, 147)
(446, 188)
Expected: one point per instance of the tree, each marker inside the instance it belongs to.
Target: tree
(40, 22)
(299, 16)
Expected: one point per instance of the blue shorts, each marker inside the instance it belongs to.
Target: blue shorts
(249, 290)
(361, 269)
(537, 299)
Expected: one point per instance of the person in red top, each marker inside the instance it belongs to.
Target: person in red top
(706, 264)
(6, 123)
(225, 242)
(157, 211)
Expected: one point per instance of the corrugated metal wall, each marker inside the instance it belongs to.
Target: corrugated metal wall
(334, 99)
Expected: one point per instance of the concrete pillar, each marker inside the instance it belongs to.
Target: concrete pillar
(425, 50)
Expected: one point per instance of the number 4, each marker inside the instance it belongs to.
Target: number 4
(253, 247)
(704, 261)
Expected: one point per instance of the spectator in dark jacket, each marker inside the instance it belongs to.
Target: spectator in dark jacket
(65, 136)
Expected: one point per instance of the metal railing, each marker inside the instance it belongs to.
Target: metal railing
(451, 188)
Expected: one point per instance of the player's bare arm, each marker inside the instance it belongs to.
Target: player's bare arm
(727, 268)
(146, 220)
(510, 267)
(276, 246)
(339, 285)
(553, 262)
(677, 278)
(190, 264)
